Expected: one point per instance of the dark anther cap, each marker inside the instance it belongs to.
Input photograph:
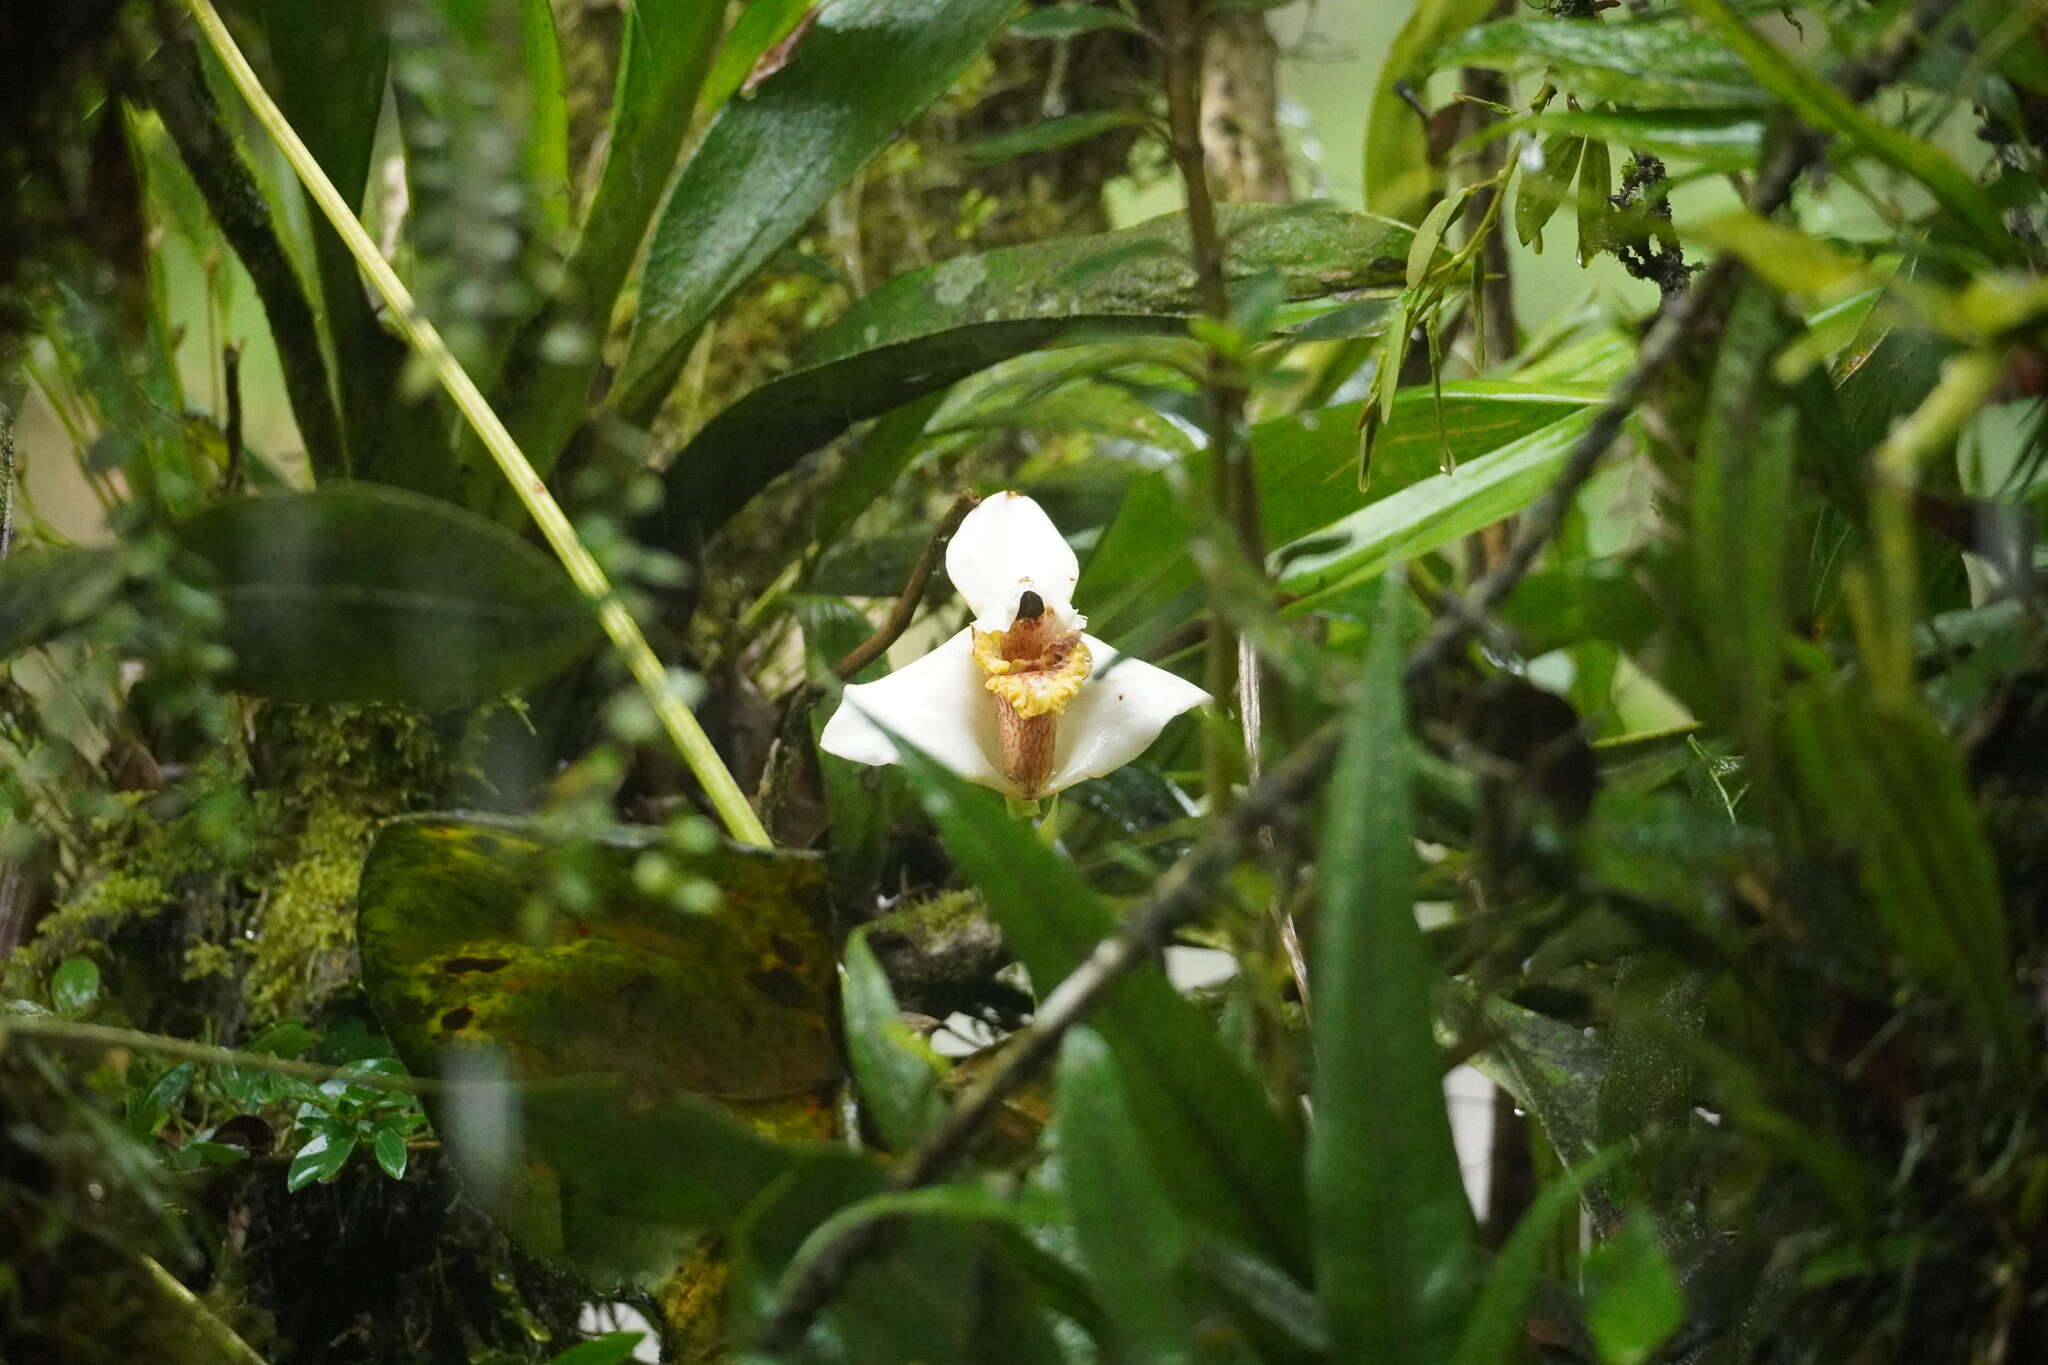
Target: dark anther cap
(1030, 606)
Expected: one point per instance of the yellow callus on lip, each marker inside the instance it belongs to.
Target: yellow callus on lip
(1033, 687)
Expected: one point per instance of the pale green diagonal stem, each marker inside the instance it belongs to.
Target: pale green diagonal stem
(683, 731)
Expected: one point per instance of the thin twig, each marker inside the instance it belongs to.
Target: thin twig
(1188, 888)
(683, 731)
(72, 1032)
(890, 630)
(6, 478)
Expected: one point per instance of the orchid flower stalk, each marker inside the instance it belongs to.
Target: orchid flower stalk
(1022, 700)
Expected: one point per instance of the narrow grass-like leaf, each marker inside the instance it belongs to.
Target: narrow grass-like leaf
(1429, 514)
(1132, 1238)
(1215, 1144)
(1393, 1232)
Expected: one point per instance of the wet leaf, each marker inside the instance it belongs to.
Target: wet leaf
(1640, 62)
(367, 594)
(478, 969)
(321, 1159)
(925, 330)
(75, 987)
(767, 163)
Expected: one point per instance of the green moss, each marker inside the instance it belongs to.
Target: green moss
(245, 873)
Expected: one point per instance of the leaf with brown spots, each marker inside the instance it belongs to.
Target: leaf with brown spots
(476, 970)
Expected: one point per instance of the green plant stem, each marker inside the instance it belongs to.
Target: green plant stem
(683, 730)
(70, 1031)
(208, 1338)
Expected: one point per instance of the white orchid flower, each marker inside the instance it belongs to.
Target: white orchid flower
(1021, 700)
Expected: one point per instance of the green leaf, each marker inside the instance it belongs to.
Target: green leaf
(368, 594)
(1393, 1231)
(320, 1159)
(665, 51)
(1596, 209)
(1541, 190)
(1429, 236)
(1890, 787)
(547, 139)
(1053, 133)
(1428, 514)
(760, 26)
(1072, 20)
(925, 330)
(330, 64)
(1743, 521)
(1813, 99)
(1633, 1303)
(900, 1076)
(1132, 1238)
(1398, 176)
(613, 1348)
(1635, 62)
(489, 949)
(766, 164)
(1305, 469)
(75, 987)
(389, 1147)
(1495, 1324)
(168, 1091)
(1720, 140)
(1215, 1144)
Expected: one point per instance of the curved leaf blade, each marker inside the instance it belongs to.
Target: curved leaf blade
(932, 327)
(768, 162)
(369, 594)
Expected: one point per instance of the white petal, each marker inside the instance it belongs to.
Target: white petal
(1005, 546)
(937, 703)
(1119, 712)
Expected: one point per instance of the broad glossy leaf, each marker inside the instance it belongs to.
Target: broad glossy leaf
(1429, 514)
(925, 330)
(1543, 186)
(1819, 103)
(1215, 1144)
(1631, 62)
(1072, 20)
(1633, 1302)
(477, 971)
(768, 162)
(321, 1159)
(75, 986)
(1307, 466)
(1393, 1232)
(665, 51)
(369, 594)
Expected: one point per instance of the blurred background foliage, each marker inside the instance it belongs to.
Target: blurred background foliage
(1591, 452)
